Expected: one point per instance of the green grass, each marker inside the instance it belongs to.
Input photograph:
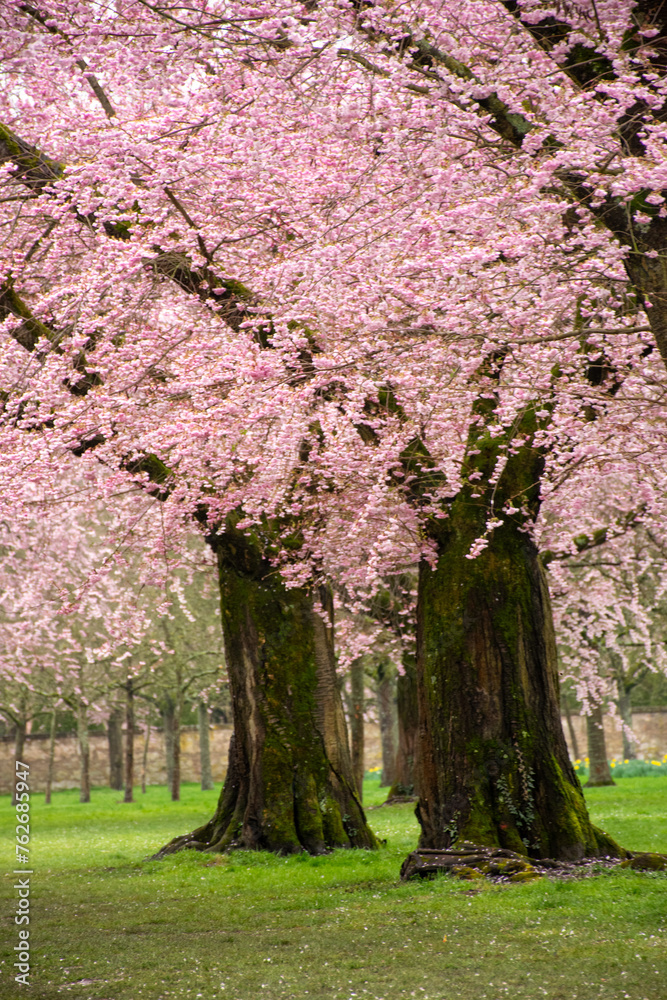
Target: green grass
(108, 925)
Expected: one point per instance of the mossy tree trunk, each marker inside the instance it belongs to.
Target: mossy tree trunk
(115, 740)
(406, 704)
(289, 784)
(493, 765)
(599, 772)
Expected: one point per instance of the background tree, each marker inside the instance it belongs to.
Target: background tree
(609, 624)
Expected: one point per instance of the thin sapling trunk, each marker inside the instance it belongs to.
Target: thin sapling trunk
(129, 740)
(167, 712)
(84, 750)
(19, 750)
(570, 728)
(387, 714)
(599, 772)
(176, 751)
(406, 752)
(52, 754)
(356, 716)
(115, 739)
(144, 759)
(204, 747)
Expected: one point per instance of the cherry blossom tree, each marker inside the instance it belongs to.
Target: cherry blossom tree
(353, 287)
(75, 604)
(609, 604)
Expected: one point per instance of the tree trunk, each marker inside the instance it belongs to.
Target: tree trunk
(493, 763)
(356, 715)
(406, 703)
(599, 772)
(386, 702)
(570, 727)
(84, 748)
(167, 713)
(176, 753)
(129, 741)
(19, 751)
(144, 759)
(625, 712)
(115, 739)
(289, 783)
(52, 754)
(204, 748)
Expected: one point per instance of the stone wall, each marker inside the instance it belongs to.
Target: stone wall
(67, 760)
(650, 727)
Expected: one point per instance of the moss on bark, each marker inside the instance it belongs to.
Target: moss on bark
(493, 765)
(289, 784)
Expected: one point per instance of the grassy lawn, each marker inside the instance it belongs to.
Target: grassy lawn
(108, 925)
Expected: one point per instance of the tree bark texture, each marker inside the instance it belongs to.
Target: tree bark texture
(52, 754)
(493, 763)
(599, 772)
(406, 702)
(204, 747)
(386, 703)
(356, 716)
(289, 785)
(115, 739)
(129, 741)
(84, 749)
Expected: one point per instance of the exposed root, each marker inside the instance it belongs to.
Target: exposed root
(472, 861)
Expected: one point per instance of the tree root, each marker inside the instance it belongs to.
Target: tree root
(472, 861)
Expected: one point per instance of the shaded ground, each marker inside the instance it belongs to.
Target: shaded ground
(108, 926)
